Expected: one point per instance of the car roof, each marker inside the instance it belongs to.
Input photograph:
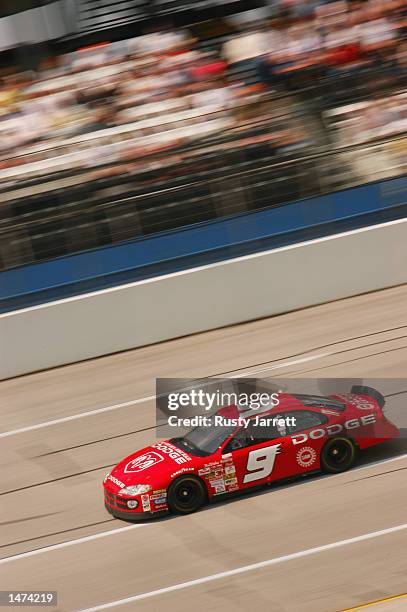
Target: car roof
(295, 401)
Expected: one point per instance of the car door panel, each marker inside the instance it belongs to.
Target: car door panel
(258, 464)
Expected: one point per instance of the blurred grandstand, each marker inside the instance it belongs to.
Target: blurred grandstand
(194, 120)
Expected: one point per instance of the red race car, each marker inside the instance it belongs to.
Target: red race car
(303, 434)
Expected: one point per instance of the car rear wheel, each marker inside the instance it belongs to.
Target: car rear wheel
(186, 494)
(338, 455)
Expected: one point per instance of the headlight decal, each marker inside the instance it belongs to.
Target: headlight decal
(139, 489)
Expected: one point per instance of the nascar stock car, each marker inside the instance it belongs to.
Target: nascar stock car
(303, 434)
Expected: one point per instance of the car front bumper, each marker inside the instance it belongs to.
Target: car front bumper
(134, 515)
(117, 507)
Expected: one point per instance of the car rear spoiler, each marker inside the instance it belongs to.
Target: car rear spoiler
(370, 392)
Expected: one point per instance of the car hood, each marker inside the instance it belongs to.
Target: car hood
(150, 465)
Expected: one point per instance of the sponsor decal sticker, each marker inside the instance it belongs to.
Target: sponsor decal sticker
(182, 471)
(215, 475)
(362, 404)
(334, 429)
(157, 496)
(159, 500)
(359, 402)
(306, 456)
(145, 502)
(143, 462)
(215, 483)
(175, 453)
(116, 481)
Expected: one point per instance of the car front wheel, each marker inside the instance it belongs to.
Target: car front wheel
(186, 494)
(338, 455)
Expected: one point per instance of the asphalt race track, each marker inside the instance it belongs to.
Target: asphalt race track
(349, 530)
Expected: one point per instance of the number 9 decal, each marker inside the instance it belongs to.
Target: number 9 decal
(260, 463)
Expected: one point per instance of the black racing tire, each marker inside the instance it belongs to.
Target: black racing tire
(370, 392)
(338, 455)
(186, 495)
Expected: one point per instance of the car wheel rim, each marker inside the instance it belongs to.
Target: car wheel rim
(186, 494)
(339, 454)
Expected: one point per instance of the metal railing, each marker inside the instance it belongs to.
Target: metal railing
(79, 219)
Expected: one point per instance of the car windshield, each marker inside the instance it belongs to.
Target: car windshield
(203, 441)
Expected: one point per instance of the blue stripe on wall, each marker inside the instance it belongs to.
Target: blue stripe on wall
(109, 266)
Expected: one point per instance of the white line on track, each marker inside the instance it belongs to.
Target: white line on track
(73, 417)
(141, 400)
(248, 568)
(283, 365)
(95, 536)
(103, 534)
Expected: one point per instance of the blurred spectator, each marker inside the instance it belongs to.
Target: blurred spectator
(212, 93)
(207, 66)
(103, 118)
(377, 32)
(164, 86)
(162, 41)
(243, 51)
(10, 88)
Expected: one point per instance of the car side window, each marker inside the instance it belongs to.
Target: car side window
(253, 434)
(305, 419)
(239, 440)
